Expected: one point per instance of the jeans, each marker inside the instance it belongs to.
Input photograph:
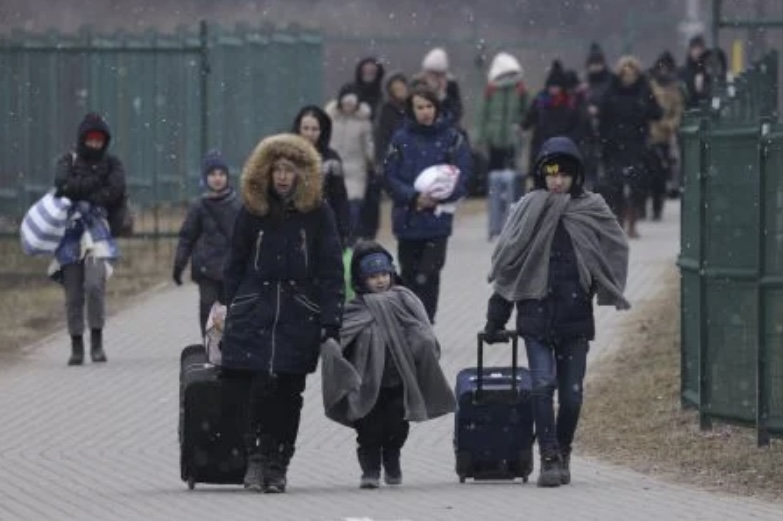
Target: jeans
(421, 262)
(500, 198)
(355, 216)
(558, 365)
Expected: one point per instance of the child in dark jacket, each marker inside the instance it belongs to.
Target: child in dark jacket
(560, 247)
(388, 339)
(205, 235)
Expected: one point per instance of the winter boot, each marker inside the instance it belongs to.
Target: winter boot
(277, 467)
(96, 346)
(254, 475)
(550, 474)
(370, 462)
(392, 473)
(77, 350)
(565, 466)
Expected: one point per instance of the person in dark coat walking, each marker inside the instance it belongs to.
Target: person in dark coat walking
(205, 235)
(368, 80)
(599, 77)
(369, 86)
(315, 125)
(626, 112)
(420, 223)
(560, 247)
(392, 114)
(553, 112)
(435, 71)
(695, 74)
(91, 175)
(285, 295)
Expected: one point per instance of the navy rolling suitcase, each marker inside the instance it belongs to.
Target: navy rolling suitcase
(493, 424)
(211, 448)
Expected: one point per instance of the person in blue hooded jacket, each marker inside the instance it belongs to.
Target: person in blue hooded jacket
(422, 230)
(560, 247)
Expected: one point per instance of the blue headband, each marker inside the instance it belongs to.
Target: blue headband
(374, 264)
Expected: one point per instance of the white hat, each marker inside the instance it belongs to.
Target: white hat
(436, 61)
(502, 64)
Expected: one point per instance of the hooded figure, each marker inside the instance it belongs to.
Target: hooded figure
(95, 183)
(352, 139)
(332, 167)
(370, 92)
(205, 235)
(505, 103)
(392, 113)
(284, 290)
(557, 250)
(388, 340)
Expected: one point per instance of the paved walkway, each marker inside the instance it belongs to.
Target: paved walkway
(100, 443)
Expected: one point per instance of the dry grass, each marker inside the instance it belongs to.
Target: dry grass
(632, 414)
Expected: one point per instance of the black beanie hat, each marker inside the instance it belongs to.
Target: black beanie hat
(557, 76)
(596, 55)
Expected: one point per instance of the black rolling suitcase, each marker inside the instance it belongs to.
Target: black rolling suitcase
(493, 424)
(211, 447)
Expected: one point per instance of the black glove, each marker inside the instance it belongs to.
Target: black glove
(177, 275)
(494, 334)
(330, 331)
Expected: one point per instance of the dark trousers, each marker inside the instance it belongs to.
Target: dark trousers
(85, 283)
(557, 366)
(370, 219)
(421, 262)
(384, 428)
(661, 173)
(274, 405)
(209, 292)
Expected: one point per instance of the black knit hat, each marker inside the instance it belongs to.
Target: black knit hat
(595, 55)
(557, 76)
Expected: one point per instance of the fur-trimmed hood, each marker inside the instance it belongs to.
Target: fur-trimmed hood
(256, 179)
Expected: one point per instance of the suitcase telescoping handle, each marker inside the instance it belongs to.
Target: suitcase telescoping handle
(506, 336)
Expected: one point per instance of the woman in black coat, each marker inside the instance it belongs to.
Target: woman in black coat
(315, 125)
(285, 291)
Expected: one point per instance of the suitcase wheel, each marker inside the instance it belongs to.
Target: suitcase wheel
(464, 465)
(191, 483)
(462, 479)
(525, 479)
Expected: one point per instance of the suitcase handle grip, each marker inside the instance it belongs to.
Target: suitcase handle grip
(506, 336)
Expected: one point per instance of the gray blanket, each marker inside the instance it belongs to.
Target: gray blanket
(352, 378)
(520, 262)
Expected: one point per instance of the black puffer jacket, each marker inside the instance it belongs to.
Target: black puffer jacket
(91, 175)
(205, 236)
(335, 193)
(284, 275)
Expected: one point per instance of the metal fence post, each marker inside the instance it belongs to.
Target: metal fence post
(204, 82)
(762, 397)
(705, 383)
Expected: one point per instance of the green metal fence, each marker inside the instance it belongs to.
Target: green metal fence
(167, 97)
(731, 256)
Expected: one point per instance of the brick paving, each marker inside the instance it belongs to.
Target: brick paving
(100, 442)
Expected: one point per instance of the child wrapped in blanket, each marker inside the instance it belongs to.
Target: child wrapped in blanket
(388, 340)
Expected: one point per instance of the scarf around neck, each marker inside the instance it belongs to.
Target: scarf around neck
(520, 262)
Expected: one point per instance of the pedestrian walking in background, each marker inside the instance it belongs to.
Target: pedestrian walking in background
(553, 112)
(313, 124)
(695, 74)
(94, 181)
(599, 77)
(368, 80)
(392, 114)
(435, 72)
(560, 247)
(626, 112)
(421, 222)
(352, 140)
(205, 235)
(499, 127)
(669, 94)
(284, 289)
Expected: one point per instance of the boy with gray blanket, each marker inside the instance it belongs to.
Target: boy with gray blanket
(388, 372)
(559, 248)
